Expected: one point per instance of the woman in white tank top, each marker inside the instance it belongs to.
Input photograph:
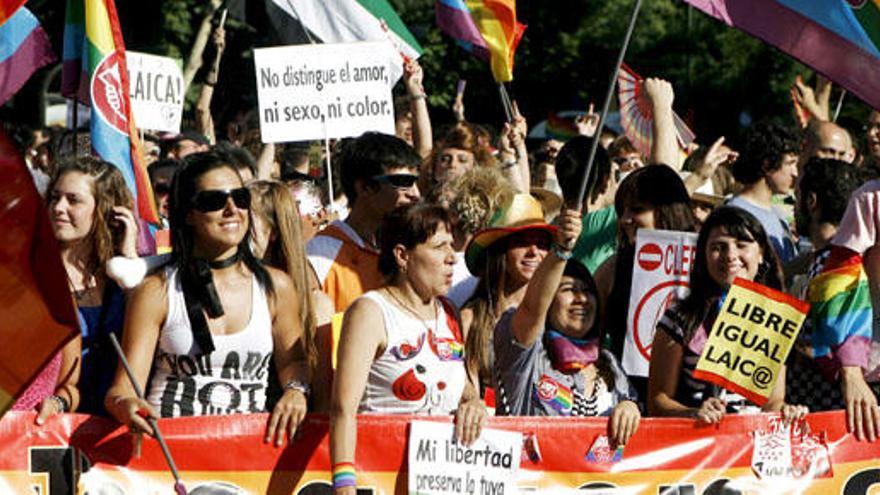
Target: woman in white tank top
(401, 350)
(210, 326)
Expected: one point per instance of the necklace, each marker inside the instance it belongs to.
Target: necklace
(225, 263)
(412, 312)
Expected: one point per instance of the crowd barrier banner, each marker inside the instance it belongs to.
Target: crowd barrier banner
(226, 455)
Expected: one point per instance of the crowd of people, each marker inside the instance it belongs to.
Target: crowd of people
(453, 273)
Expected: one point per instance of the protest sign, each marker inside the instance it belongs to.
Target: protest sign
(324, 91)
(156, 91)
(438, 464)
(661, 275)
(750, 339)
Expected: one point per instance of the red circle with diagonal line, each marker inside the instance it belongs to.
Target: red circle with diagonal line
(650, 256)
(643, 341)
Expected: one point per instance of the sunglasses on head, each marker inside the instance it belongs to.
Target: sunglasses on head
(215, 199)
(398, 181)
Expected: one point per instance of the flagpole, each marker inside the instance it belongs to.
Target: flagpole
(505, 102)
(839, 105)
(178, 484)
(329, 166)
(610, 94)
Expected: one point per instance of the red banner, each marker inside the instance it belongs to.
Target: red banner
(82, 454)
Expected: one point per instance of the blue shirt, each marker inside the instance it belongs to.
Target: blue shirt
(777, 228)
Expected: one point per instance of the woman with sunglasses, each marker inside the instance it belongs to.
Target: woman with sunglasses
(208, 328)
(732, 244)
(401, 349)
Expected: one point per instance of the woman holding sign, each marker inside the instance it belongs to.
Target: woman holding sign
(732, 244)
(402, 350)
(547, 351)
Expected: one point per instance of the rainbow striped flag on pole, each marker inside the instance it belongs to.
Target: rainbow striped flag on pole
(839, 38)
(95, 73)
(486, 28)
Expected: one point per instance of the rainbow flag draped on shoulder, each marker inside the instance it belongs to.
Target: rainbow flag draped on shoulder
(841, 312)
(486, 28)
(839, 38)
(95, 73)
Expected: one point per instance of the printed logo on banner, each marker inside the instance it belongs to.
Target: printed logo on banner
(107, 94)
(661, 273)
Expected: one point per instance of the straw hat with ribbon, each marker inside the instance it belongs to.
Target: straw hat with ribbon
(522, 213)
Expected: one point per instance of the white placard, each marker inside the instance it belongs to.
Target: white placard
(155, 86)
(661, 275)
(439, 465)
(310, 92)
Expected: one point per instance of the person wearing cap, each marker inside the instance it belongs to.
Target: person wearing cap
(504, 256)
(548, 352)
(379, 173)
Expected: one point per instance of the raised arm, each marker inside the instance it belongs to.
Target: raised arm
(513, 152)
(144, 315)
(361, 337)
(418, 104)
(528, 320)
(290, 361)
(665, 146)
(204, 120)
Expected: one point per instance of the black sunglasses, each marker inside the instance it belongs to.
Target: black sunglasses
(215, 199)
(398, 181)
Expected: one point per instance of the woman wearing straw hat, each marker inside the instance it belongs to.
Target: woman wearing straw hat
(505, 256)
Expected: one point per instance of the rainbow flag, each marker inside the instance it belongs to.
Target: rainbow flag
(840, 312)
(839, 38)
(486, 28)
(24, 48)
(562, 128)
(8, 8)
(35, 305)
(94, 72)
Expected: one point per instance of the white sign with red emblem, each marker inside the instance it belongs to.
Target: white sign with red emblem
(661, 275)
(438, 464)
(156, 88)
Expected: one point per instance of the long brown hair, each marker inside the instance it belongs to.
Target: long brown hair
(484, 306)
(109, 190)
(275, 205)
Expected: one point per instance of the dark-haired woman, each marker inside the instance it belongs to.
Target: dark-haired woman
(547, 351)
(206, 329)
(401, 350)
(651, 197)
(732, 243)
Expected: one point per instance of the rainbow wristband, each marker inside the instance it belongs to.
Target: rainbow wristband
(343, 475)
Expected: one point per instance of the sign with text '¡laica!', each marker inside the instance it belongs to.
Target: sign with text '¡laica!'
(324, 91)
(661, 276)
(156, 91)
(440, 465)
(750, 339)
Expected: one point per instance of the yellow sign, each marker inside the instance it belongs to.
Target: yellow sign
(750, 340)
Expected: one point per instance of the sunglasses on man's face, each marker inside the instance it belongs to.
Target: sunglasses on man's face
(215, 199)
(398, 181)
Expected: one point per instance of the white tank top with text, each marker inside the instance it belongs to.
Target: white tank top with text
(230, 380)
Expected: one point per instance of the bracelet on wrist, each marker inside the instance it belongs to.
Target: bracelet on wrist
(61, 403)
(344, 475)
(419, 96)
(560, 252)
(298, 386)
